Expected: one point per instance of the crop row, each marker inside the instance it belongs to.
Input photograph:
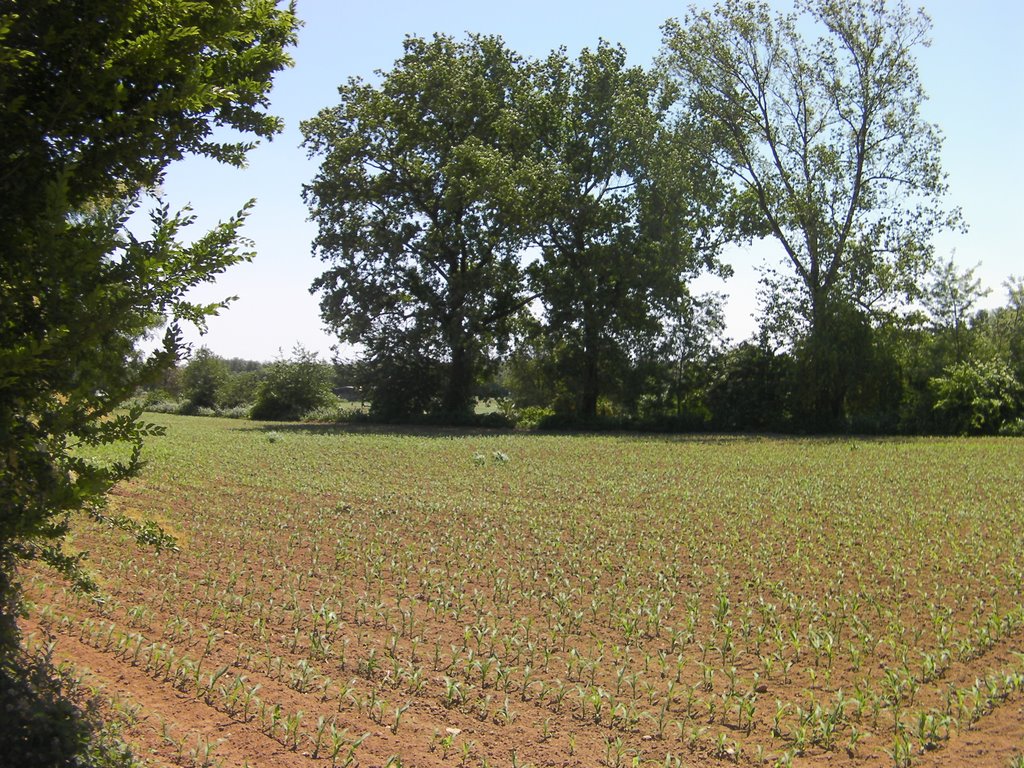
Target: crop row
(750, 599)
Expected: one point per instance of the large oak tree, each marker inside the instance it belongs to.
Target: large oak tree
(625, 214)
(418, 201)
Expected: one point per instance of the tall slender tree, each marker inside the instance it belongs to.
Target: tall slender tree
(827, 139)
(950, 297)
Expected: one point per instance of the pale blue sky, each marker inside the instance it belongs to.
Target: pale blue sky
(973, 73)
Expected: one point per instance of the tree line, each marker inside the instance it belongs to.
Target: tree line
(946, 368)
(299, 386)
(488, 216)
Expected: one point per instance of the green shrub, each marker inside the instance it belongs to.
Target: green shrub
(147, 398)
(976, 397)
(237, 412)
(240, 389)
(204, 379)
(531, 416)
(333, 410)
(166, 406)
(294, 387)
(1012, 429)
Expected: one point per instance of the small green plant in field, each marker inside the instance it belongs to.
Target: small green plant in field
(342, 742)
(291, 730)
(397, 716)
(446, 743)
(615, 751)
(902, 751)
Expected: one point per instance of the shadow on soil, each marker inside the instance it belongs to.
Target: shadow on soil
(434, 431)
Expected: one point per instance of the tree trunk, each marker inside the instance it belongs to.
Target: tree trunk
(823, 383)
(458, 394)
(590, 383)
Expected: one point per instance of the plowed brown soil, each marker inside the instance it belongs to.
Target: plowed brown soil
(579, 602)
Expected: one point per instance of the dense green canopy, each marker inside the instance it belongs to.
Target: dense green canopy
(96, 99)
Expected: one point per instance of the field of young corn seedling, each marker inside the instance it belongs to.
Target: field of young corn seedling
(344, 598)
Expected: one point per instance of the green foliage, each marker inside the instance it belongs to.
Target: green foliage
(206, 383)
(977, 397)
(240, 388)
(623, 215)
(204, 379)
(844, 376)
(999, 332)
(824, 139)
(95, 100)
(927, 348)
(950, 297)
(68, 359)
(418, 202)
(1012, 428)
(677, 376)
(99, 97)
(293, 387)
(531, 373)
(749, 391)
(401, 376)
(532, 416)
(425, 204)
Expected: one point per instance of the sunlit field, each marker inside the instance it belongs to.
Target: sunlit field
(357, 598)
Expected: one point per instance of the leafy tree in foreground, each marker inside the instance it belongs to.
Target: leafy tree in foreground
(625, 214)
(827, 139)
(96, 98)
(418, 205)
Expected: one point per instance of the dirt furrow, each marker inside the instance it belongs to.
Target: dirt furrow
(171, 725)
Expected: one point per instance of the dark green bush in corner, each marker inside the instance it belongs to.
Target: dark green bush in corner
(48, 721)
